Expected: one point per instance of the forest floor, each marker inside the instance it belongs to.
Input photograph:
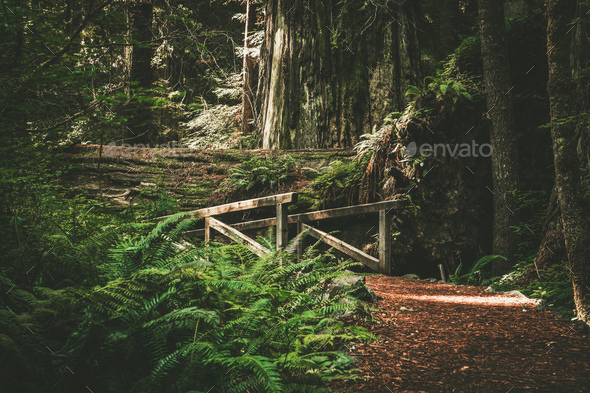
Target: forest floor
(190, 176)
(447, 338)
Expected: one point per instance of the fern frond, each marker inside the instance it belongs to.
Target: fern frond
(262, 367)
(182, 317)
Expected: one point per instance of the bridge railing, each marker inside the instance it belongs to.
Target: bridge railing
(283, 219)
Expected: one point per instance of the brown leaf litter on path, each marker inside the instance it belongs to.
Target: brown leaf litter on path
(448, 338)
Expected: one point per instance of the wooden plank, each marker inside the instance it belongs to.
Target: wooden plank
(290, 197)
(443, 273)
(346, 211)
(384, 242)
(257, 224)
(282, 226)
(194, 233)
(346, 248)
(237, 236)
(308, 217)
(322, 214)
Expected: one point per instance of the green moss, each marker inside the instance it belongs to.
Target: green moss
(305, 202)
(467, 57)
(341, 185)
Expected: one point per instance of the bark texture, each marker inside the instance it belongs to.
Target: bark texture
(331, 70)
(574, 210)
(248, 70)
(496, 67)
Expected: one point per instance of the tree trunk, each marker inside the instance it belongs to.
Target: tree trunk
(500, 110)
(331, 71)
(580, 63)
(445, 27)
(248, 79)
(140, 75)
(574, 210)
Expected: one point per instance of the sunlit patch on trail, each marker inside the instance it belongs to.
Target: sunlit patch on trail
(507, 301)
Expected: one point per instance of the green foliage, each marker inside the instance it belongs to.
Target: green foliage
(443, 87)
(467, 57)
(66, 69)
(171, 316)
(477, 275)
(176, 322)
(340, 186)
(532, 208)
(41, 220)
(263, 173)
(158, 203)
(551, 283)
(558, 293)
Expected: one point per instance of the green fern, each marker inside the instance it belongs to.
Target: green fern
(238, 322)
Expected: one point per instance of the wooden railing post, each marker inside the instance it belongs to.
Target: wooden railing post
(207, 230)
(384, 242)
(299, 241)
(282, 225)
(207, 236)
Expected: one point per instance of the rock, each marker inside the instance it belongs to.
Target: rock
(580, 326)
(402, 308)
(542, 305)
(357, 287)
(515, 293)
(431, 280)
(348, 280)
(412, 276)
(489, 289)
(441, 281)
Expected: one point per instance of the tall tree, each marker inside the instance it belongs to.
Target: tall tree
(445, 19)
(248, 69)
(140, 17)
(496, 68)
(575, 218)
(332, 70)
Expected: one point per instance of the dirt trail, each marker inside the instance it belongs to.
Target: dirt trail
(447, 338)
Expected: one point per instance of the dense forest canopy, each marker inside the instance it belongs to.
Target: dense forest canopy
(113, 113)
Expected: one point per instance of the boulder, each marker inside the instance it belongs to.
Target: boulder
(357, 286)
(515, 293)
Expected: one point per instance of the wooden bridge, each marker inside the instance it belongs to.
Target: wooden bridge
(283, 219)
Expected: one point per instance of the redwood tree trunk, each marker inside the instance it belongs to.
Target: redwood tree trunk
(330, 74)
(500, 110)
(574, 209)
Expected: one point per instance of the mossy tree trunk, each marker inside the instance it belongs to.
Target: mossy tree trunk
(496, 68)
(575, 218)
(331, 71)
